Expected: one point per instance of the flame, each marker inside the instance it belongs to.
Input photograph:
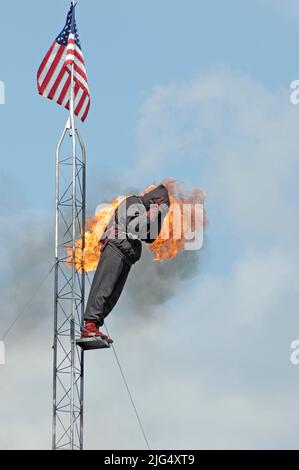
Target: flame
(167, 246)
(87, 259)
(170, 243)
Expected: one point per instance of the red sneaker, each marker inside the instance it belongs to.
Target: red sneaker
(91, 330)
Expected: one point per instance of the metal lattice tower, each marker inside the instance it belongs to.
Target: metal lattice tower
(69, 292)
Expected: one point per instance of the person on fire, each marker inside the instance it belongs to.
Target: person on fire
(137, 219)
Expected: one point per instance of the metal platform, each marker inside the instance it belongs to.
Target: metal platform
(92, 343)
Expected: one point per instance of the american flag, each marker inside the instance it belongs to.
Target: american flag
(54, 74)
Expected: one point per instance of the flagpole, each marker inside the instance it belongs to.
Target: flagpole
(73, 306)
(69, 284)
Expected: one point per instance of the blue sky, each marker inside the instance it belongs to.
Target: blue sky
(198, 91)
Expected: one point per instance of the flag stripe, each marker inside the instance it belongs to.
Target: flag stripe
(64, 91)
(57, 82)
(61, 86)
(52, 69)
(45, 62)
(48, 65)
(75, 52)
(80, 103)
(86, 111)
(79, 76)
(60, 66)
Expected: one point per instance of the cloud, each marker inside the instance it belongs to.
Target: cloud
(215, 358)
(242, 137)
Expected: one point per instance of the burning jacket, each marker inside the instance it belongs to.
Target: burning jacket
(137, 219)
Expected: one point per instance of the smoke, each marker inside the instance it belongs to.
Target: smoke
(26, 255)
(154, 283)
(106, 187)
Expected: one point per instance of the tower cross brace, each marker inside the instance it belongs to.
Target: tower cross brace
(69, 293)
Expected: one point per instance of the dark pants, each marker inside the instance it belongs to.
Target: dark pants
(108, 283)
